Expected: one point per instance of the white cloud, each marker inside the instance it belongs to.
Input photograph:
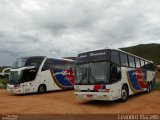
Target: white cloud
(66, 27)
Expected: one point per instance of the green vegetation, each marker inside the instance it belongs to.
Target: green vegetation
(157, 85)
(3, 81)
(147, 51)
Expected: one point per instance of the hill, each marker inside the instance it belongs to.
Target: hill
(147, 51)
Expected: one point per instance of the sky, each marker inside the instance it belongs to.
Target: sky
(60, 28)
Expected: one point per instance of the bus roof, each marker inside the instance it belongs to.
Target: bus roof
(97, 54)
(32, 57)
(62, 59)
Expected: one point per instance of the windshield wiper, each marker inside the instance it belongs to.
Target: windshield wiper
(84, 75)
(91, 77)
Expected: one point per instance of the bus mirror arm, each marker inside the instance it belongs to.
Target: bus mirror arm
(119, 75)
(71, 71)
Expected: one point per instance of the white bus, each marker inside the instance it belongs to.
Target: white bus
(40, 74)
(111, 74)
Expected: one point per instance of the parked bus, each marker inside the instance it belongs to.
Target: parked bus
(111, 74)
(40, 74)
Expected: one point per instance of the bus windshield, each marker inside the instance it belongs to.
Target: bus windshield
(19, 63)
(15, 77)
(33, 61)
(92, 73)
(26, 74)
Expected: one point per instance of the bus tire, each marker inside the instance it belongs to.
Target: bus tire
(42, 89)
(149, 88)
(124, 94)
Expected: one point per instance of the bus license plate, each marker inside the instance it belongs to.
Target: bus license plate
(90, 96)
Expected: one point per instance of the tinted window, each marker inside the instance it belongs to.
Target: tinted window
(142, 63)
(34, 62)
(149, 66)
(146, 65)
(124, 59)
(115, 57)
(19, 63)
(29, 75)
(137, 63)
(115, 73)
(69, 65)
(48, 63)
(82, 74)
(93, 73)
(99, 73)
(131, 61)
(59, 65)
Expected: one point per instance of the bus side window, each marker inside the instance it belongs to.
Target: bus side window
(115, 57)
(48, 64)
(142, 64)
(59, 65)
(45, 66)
(131, 61)
(115, 73)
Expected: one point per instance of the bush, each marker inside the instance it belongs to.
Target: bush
(3, 81)
(157, 85)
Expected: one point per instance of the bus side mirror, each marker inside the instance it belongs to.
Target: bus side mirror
(118, 73)
(158, 68)
(71, 71)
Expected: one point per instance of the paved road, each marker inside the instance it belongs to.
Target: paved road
(64, 102)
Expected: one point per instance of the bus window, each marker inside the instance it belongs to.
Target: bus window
(115, 57)
(124, 60)
(99, 73)
(131, 61)
(34, 62)
(68, 66)
(151, 66)
(82, 74)
(146, 65)
(19, 63)
(142, 63)
(137, 63)
(59, 65)
(47, 65)
(115, 73)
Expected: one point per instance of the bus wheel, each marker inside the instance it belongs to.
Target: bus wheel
(42, 89)
(124, 94)
(149, 87)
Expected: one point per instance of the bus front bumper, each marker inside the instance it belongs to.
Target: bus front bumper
(11, 89)
(93, 95)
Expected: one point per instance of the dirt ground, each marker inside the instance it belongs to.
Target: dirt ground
(64, 102)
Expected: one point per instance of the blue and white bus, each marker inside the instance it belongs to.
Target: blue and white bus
(111, 74)
(40, 74)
